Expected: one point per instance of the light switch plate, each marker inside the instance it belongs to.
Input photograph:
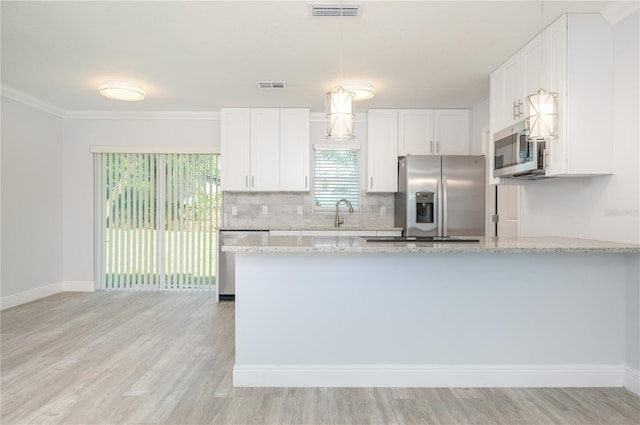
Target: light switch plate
(299, 210)
(234, 211)
(383, 210)
(265, 209)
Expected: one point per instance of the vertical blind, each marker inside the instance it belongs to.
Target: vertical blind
(336, 176)
(155, 220)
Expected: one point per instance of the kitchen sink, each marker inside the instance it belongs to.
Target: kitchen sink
(431, 239)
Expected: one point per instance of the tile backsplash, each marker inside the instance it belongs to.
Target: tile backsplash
(282, 211)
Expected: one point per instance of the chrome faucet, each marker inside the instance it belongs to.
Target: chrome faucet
(339, 220)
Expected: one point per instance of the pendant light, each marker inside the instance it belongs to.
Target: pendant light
(542, 106)
(340, 106)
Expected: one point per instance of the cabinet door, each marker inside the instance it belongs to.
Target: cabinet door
(265, 149)
(532, 68)
(294, 149)
(235, 141)
(555, 72)
(451, 131)
(382, 150)
(513, 101)
(415, 132)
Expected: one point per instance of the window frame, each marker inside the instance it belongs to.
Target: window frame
(335, 146)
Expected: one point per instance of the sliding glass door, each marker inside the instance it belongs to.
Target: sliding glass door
(156, 216)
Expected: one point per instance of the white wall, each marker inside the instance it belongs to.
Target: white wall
(77, 174)
(31, 199)
(479, 120)
(604, 207)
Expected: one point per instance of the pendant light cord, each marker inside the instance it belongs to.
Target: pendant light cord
(340, 33)
(541, 41)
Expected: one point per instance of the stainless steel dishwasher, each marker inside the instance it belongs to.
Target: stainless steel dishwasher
(227, 262)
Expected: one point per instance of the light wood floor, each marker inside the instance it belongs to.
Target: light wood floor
(167, 358)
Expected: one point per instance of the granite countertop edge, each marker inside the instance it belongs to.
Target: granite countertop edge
(293, 244)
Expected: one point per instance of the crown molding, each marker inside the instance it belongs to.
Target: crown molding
(618, 11)
(143, 115)
(25, 99)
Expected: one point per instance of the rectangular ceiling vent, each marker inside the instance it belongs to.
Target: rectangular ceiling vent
(271, 85)
(325, 10)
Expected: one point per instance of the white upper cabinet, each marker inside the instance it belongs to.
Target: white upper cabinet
(264, 149)
(294, 149)
(512, 82)
(415, 132)
(382, 150)
(235, 148)
(578, 65)
(578, 51)
(433, 132)
(451, 131)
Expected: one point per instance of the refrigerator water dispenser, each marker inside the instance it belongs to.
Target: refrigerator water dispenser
(424, 207)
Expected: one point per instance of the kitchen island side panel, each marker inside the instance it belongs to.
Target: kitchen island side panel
(309, 311)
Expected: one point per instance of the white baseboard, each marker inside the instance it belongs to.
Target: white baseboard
(45, 291)
(429, 376)
(632, 379)
(30, 295)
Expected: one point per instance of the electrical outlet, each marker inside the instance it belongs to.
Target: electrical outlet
(383, 210)
(299, 210)
(234, 211)
(265, 209)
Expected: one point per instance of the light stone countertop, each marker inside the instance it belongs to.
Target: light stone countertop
(291, 244)
(312, 228)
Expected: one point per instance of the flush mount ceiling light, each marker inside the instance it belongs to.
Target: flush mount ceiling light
(542, 106)
(122, 90)
(362, 90)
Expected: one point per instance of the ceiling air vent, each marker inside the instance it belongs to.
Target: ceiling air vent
(271, 85)
(324, 10)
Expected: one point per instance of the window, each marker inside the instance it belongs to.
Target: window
(155, 221)
(336, 176)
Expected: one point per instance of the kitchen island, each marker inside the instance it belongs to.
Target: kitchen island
(338, 311)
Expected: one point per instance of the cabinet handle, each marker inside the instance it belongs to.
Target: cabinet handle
(431, 147)
(252, 182)
(305, 182)
(371, 187)
(438, 146)
(517, 112)
(246, 181)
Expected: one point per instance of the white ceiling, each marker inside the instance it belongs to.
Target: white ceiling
(200, 56)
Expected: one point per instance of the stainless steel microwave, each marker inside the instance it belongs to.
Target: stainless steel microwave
(515, 156)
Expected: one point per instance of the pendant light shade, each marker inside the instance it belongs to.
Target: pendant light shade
(542, 116)
(341, 114)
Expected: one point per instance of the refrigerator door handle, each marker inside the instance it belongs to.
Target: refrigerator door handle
(445, 231)
(438, 208)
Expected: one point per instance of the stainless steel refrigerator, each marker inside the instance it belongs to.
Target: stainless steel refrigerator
(441, 195)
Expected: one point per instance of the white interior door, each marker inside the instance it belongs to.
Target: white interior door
(508, 210)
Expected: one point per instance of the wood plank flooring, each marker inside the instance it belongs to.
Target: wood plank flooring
(167, 358)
